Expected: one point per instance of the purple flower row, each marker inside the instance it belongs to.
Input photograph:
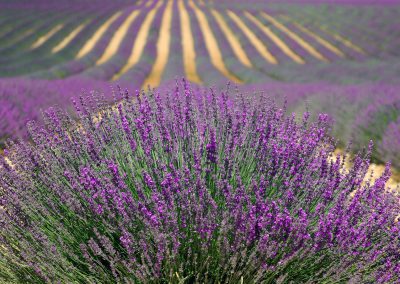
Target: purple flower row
(22, 100)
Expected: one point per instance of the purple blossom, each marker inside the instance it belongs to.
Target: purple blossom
(219, 188)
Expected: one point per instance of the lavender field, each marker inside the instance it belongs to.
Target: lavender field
(199, 141)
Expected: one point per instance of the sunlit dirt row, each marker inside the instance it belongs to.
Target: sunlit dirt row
(226, 20)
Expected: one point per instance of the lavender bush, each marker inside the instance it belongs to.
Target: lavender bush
(191, 187)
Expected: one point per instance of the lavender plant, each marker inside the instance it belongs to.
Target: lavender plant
(191, 187)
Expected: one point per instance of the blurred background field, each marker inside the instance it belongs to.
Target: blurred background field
(339, 57)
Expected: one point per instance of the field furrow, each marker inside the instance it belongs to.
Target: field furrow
(26, 28)
(281, 44)
(64, 62)
(212, 44)
(234, 42)
(321, 40)
(243, 72)
(312, 41)
(46, 37)
(149, 3)
(365, 38)
(118, 37)
(91, 43)
(257, 43)
(292, 44)
(112, 66)
(259, 64)
(15, 45)
(234, 39)
(17, 38)
(205, 68)
(335, 41)
(22, 59)
(8, 25)
(140, 42)
(310, 49)
(344, 40)
(188, 50)
(136, 75)
(163, 49)
(69, 37)
(174, 68)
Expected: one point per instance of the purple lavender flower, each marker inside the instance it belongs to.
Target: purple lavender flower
(218, 188)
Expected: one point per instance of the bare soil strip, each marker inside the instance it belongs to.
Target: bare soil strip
(375, 171)
(255, 41)
(91, 43)
(20, 37)
(320, 40)
(275, 39)
(309, 48)
(237, 48)
(46, 37)
(149, 2)
(212, 44)
(343, 40)
(69, 38)
(117, 38)
(163, 48)
(140, 42)
(189, 53)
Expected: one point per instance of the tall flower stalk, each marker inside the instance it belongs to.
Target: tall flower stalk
(191, 186)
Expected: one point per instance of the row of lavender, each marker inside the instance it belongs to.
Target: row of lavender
(17, 54)
(40, 63)
(360, 112)
(374, 30)
(22, 100)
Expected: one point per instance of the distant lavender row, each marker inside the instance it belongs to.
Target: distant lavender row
(360, 113)
(378, 37)
(21, 100)
(62, 5)
(331, 2)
